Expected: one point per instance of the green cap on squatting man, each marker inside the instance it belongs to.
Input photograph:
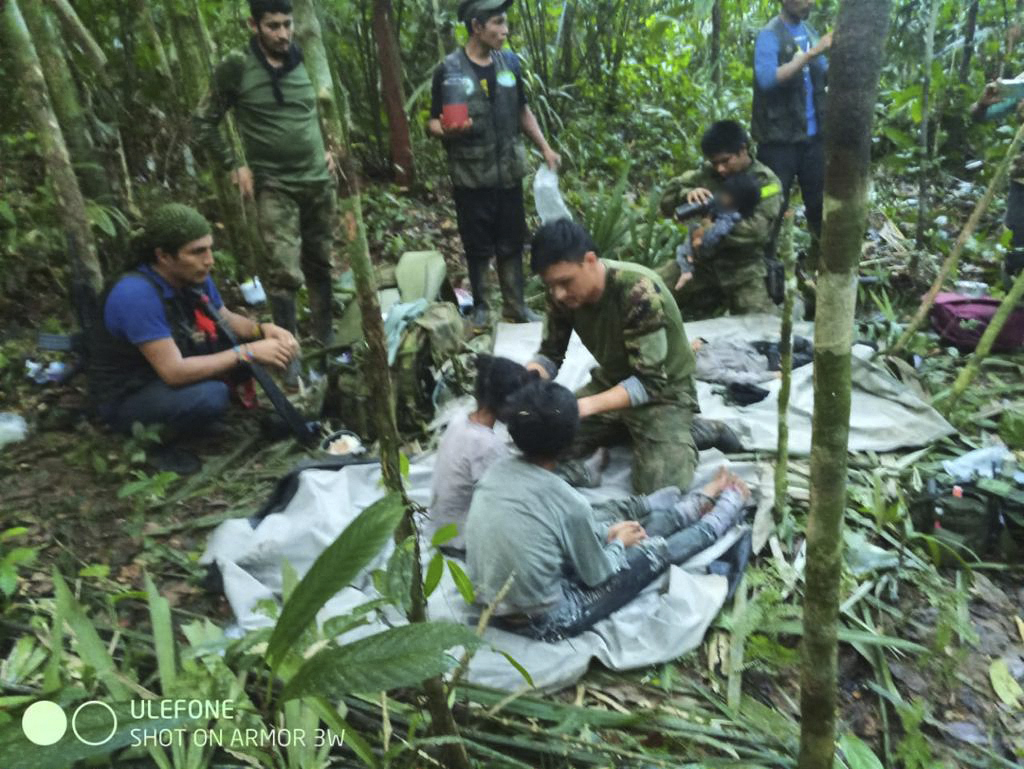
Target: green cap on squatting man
(476, 9)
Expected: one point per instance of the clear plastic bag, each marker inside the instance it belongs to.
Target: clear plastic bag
(547, 198)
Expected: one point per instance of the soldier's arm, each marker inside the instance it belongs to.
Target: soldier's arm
(645, 332)
(677, 189)
(554, 342)
(755, 231)
(220, 96)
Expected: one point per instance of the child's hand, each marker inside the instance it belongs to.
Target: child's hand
(629, 533)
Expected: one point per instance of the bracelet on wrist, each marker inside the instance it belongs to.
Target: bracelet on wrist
(248, 354)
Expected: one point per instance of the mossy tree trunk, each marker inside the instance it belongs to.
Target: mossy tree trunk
(78, 32)
(856, 61)
(787, 257)
(924, 153)
(399, 141)
(375, 367)
(970, 30)
(66, 105)
(86, 273)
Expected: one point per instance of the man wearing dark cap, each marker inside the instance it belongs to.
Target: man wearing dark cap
(286, 166)
(486, 157)
(157, 358)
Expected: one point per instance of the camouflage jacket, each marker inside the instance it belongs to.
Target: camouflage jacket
(750, 238)
(634, 331)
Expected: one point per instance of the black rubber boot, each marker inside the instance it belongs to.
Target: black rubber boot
(321, 310)
(510, 278)
(711, 434)
(477, 269)
(282, 307)
(1013, 263)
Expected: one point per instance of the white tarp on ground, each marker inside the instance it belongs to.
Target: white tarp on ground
(669, 619)
(885, 415)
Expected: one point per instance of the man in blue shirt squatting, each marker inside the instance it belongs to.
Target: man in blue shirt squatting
(997, 104)
(156, 357)
(486, 156)
(790, 74)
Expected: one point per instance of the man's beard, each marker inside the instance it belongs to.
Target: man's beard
(271, 51)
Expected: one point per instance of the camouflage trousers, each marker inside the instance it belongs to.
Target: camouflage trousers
(720, 285)
(297, 227)
(664, 453)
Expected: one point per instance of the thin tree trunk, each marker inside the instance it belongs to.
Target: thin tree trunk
(564, 44)
(145, 15)
(968, 372)
(923, 145)
(376, 369)
(86, 272)
(442, 48)
(66, 105)
(970, 29)
(961, 241)
(786, 256)
(77, 30)
(399, 141)
(716, 46)
(860, 38)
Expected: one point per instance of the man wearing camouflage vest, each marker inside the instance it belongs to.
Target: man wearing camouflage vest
(790, 72)
(486, 157)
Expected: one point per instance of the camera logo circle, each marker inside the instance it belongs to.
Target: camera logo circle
(83, 706)
(44, 722)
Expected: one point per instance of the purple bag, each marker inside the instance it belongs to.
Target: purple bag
(961, 320)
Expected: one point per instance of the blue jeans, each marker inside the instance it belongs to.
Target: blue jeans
(182, 410)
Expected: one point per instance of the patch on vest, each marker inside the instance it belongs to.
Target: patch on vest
(507, 78)
(469, 84)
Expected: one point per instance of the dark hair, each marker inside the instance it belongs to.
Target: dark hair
(543, 418)
(496, 380)
(486, 17)
(559, 241)
(744, 191)
(724, 136)
(259, 7)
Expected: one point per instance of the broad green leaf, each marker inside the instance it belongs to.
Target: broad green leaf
(100, 570)
(90, 647)
(858, 754)
(434, 571)
(338, 565)
(462, 582)
(446, 533)
(1003, 682)
(163, 636)
(16, 531)
(7, 213)
(398, 577)
(401, 656)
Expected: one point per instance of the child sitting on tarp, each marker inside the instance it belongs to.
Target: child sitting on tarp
(735, 201)
(470, 445)
(536, 540)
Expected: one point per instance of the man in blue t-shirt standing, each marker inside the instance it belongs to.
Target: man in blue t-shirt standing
(156, 356)
(790, 72)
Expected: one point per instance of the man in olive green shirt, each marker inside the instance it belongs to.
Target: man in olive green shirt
(731, 274)
(287, 167)
(643, 389)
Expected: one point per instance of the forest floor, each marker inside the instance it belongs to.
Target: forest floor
(924, 647)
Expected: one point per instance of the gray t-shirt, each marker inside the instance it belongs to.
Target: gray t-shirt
(525, 519)
(466, 450)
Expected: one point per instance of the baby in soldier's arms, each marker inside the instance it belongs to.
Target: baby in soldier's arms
(735, 201)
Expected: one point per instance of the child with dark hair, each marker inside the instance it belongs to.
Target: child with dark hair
(735, 201)
(530, 534)
(469, 445)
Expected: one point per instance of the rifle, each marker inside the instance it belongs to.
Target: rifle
(304, 432)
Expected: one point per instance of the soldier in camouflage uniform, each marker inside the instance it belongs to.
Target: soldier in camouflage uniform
(730, 275)
(993, 106)
(642, 391)
(287, 167)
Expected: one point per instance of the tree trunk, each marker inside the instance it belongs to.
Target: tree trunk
(564, 44)
(399, 141)
(716, 46)
(145, 15)
(924, 152)
(375, 367)
(86, 273)
(970, 28)
(786, 256)
(78, 31)
(860, 37)
(66, 105)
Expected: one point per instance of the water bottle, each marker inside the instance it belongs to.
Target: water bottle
(454, 106)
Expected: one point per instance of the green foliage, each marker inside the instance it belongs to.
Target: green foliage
(343, 559)
(11, 560)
